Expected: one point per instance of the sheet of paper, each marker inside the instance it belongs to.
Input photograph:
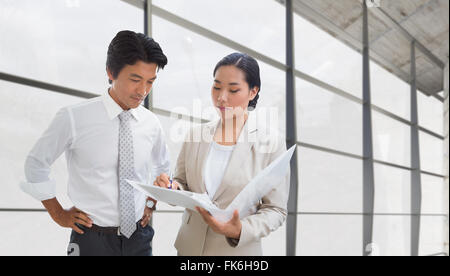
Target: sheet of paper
(260, 186)
(175, 197)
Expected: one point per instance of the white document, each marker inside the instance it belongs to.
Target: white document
(258, 187)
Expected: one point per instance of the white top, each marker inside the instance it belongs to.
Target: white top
(216, 164)
(88, 134)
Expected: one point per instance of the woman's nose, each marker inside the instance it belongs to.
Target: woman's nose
(222, 97)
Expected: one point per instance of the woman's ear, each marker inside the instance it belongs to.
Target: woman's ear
(253, 92)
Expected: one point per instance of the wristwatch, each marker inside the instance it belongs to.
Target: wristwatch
(150, 204)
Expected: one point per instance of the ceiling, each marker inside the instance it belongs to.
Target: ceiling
(392, 27)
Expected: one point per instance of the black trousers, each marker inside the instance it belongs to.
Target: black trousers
(93, 243)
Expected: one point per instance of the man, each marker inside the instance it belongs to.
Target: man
(106, 140)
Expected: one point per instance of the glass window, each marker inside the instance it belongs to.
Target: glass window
(392, 190)
(63, 42)
(391, 140)
(431, 113)
(166, 226)
(391, 236)
(328, 120)
(26, 114)
(433, 195)
(32, 234)
(175, 131)
(328, 182)
(432, 235)
(184, 86)
(275, 243)
(324, 57)
(431, 153)
(256, 24)
(329, 235)
(389, 92)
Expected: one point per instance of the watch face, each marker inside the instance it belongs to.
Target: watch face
(150, 204)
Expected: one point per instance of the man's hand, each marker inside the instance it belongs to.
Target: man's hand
(67, 218)
(148, 213)
(231, 229)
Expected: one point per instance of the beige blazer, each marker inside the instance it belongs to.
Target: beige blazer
(256, 148)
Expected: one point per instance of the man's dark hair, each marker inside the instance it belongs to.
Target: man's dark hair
(250, 68)
(129, 47)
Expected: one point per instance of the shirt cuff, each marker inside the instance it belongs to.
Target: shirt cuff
(40, 191)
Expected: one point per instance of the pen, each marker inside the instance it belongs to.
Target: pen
(170, 180)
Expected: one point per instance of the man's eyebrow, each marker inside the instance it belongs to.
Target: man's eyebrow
(217, 81)
(137, 76)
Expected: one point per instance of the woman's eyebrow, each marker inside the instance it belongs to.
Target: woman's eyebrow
(231, 83)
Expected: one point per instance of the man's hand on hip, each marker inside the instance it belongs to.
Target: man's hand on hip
(67, 218)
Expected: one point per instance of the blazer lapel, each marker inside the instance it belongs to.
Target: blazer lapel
(240, 154)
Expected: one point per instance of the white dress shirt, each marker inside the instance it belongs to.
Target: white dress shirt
(216, 164)
(88, 133)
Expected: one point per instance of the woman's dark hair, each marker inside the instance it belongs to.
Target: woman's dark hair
(249, 66)
(128, 47)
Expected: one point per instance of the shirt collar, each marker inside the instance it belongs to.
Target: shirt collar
(113, 109)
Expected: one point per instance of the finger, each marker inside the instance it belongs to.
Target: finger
(146, 218)
(205, 214)
(78, 230)
(235, 217)
(82, 222)
(199, 210)
(165, 178)
(175, 185)
(144, 221)
(161, 182)
(83, 216)
(157, 181)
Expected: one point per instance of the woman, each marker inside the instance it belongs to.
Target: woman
(231, 152)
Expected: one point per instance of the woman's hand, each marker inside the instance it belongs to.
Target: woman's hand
(163, 181)
(231, 229)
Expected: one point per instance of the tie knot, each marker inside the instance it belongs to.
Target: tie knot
(125, 116)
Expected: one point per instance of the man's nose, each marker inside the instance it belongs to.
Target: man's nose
(143, 90)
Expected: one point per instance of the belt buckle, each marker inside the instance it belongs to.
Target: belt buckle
(118, 231)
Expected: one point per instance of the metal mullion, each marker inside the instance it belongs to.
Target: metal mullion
(148, 101)
(416, 188)
(328, 150)
(368, 162)
(47, 86)
(355, 156)
(291, 133)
